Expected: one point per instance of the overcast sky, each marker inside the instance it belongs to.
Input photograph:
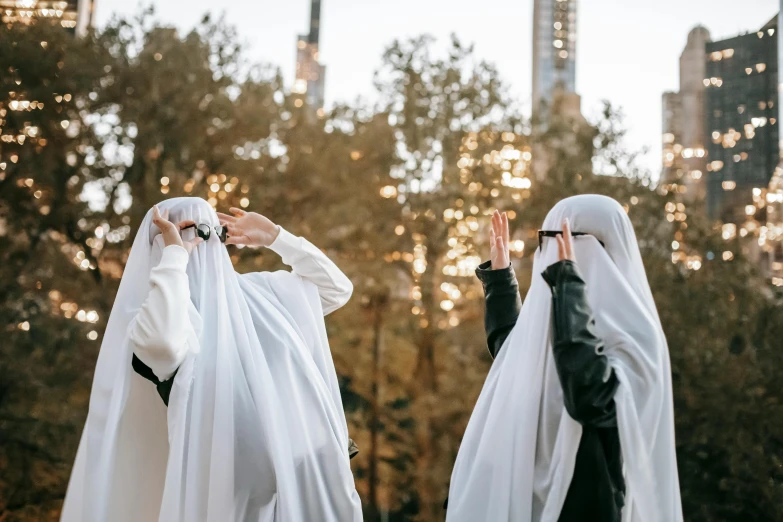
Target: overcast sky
(627, 50)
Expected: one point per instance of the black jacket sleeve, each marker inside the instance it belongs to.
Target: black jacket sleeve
(588, 381)
(501, 292)
(502, 306)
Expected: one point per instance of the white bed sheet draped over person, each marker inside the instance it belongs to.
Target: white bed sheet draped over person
(517, 456)
(255, 429)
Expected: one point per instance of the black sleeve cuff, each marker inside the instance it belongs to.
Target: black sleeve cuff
(487, 275)
(564, 271)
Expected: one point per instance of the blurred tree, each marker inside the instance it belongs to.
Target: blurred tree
(460, 152)
(51, 287)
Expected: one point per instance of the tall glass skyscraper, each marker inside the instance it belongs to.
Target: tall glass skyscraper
(554, 50)
(774, 243)
(740, 120)
(309, 71)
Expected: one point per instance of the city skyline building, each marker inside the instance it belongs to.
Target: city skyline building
(774, 198)
(310, 73)
(740, 123)
(721, 145)
(554, 75)
(74, 15)
(554, 53)
(684, 156)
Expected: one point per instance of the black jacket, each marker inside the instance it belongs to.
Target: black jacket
(597, 488)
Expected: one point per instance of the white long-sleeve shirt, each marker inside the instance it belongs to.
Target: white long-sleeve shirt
(159, 333)
(308, 262)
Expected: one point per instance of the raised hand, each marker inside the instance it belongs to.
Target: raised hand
(248, 228)
(171, 231)
(498, 241)
(565, 243)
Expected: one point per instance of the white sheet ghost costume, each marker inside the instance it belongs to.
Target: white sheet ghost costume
(517, 456)
(254, 429)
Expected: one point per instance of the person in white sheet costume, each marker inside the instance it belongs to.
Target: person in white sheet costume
(254, 429)
(576, 414)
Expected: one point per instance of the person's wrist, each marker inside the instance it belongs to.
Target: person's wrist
(490, 276)
(274, 234)
(500, 264)
(169, 240)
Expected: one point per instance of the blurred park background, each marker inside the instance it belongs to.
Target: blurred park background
(98, 124)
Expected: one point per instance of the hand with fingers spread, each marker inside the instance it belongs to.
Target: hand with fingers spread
(565, 243)
(248, 228)
(499, 241)
(171, 231)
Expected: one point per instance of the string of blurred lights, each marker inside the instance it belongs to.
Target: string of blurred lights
(25, 11)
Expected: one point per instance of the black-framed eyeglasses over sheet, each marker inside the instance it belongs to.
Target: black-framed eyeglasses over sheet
(553, 233)
(204, 231)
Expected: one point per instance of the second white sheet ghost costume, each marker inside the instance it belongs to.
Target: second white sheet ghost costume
(516, 460)
(254, 429)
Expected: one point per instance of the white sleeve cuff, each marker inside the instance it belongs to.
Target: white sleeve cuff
(287, 246)
(174, 256)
